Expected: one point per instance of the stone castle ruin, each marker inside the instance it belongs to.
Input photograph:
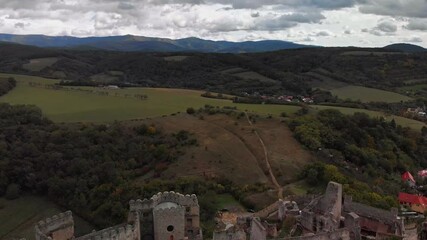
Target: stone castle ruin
(165, 216)
(331, 216)
(173, 216)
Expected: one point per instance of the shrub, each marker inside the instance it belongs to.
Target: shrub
(13, 191)
(191, 110)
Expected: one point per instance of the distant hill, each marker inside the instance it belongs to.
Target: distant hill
(285, 72)
(130, 43)
(405, 47)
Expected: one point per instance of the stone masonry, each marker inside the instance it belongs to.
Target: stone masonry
(165, 216)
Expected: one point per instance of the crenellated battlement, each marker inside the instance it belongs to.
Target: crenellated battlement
(167, 212)
(122, 231)
(180, 199)
(163, 215)
(45, 229)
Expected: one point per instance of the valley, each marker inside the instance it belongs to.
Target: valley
(241, 131)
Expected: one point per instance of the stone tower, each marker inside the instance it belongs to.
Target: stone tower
(165, 216)
(168, 216)
(58, 227)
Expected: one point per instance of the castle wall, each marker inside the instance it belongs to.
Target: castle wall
(331, 203)
(233, 235)
(258, 231)
(58, 227)
(169, 223)
(119, 232)
(180, 199)
(336, 235)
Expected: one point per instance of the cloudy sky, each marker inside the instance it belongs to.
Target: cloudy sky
(320, 22)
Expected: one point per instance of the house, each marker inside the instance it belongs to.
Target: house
(422, 174)
(414, 202)
(408, 178)
(308, 100)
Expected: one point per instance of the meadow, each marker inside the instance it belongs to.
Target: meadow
(365, 94)
(18, 217)
(406, 122)
(39, 64)
(80, 106)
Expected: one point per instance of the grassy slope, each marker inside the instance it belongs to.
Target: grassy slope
(63, 106)
(72, 106)
(39, 64)
(255, 75)
(368, 94)
(18, 217)
(230, 149)
(406, 122)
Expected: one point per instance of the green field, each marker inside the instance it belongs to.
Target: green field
(74, 106)
(418, 89)
(77, 106)
(39, 64)
(18, 217)
(365, 94)
(254, 75)
(406, 122)
(175, 58)
(227, 201)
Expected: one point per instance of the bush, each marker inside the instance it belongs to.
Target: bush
(191, 110)
(13, 191)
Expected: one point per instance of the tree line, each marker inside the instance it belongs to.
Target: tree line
(6, 84)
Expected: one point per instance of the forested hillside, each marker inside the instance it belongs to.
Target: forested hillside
(284, 72)
(369, 150)
(83, 167)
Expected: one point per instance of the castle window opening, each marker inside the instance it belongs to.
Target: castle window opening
(170, 229)
(189, 221)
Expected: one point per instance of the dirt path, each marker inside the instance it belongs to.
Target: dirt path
(267, 162)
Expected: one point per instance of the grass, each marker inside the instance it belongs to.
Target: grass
(405, 122)
(365, 94)
(18, 217)
(175, 58)
(297, 188)
(419, 89)
(74, 106)
(39, 64)
(227, 201)
(254, 75)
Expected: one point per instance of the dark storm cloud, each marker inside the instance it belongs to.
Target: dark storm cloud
(20, 25)
(311, 17)
(383, 28)
(287, 21)
(387, 27)
(404, 8)
(125, 6)
(417, 24)
(321, 4)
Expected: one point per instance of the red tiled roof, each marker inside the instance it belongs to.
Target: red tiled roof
(413, 199)
(408, 176)
(422, 173)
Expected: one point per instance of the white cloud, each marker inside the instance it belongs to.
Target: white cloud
(322, 22)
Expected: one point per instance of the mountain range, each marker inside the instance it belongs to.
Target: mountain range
(131, 43)
(148, 44)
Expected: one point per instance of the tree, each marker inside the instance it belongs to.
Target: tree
(13, 191)
(191, 111)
